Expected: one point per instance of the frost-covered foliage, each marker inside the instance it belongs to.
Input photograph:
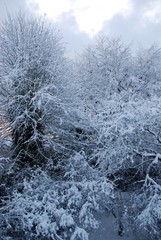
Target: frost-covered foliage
(45, 208)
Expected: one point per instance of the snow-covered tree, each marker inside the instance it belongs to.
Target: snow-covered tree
(120, 117)
(104, 69)
(32, 65)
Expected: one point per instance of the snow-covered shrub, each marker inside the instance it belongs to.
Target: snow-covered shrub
(144, 211)
(46, 208)
(144, 214)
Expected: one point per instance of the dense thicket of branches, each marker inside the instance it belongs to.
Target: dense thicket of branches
(80, 132)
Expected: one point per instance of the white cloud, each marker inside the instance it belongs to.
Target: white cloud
(153, 14)
(89, 14)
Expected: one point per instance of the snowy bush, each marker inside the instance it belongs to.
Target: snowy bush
(57, 209)
(144, 210)
(144, 214)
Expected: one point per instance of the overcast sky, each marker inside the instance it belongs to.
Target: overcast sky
(137, 21)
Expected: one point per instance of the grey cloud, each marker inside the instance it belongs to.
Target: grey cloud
(134, 28)
(143, 4)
